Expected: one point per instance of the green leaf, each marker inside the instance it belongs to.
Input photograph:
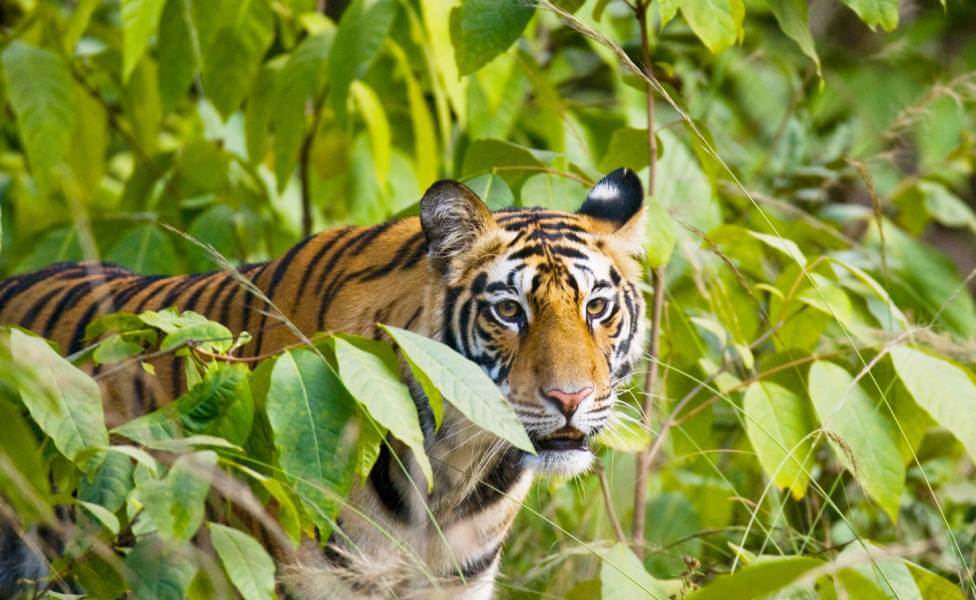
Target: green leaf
(174, 507)
(41, 93)
(186, 326)
(682, 186)
(103, 515)
(233, 60)
(493, 191)
(945, 391)
(661, 234)
(89, 140)
(369, 371)
(932, 586)
(145, 249)
(175, 50)
(64, 402)
(628, 148)
(623, 576)
(312, 416)
(139, 21)
(464, 385)
(501, 158)
(220, 405)
(26, 486)
(757, 580)
(717, 23)
(868, 442)
(860, 586)
(299, 80)
(110, 484)
(876, 12)
(377, 126)
(778, 423)
(364, 25)
(483, 29)
(158, 570)
(245, 561)
(792, 18)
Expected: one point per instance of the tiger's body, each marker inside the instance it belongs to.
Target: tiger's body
(546, 302)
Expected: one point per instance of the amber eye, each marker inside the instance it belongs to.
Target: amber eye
(508, 310)
(597, 307)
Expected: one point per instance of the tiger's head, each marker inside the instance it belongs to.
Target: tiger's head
(547, 303)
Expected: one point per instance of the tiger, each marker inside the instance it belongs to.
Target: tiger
(548, 303)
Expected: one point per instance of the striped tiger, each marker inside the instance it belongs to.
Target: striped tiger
(545, 302)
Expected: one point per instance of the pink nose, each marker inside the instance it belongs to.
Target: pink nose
(567, 402)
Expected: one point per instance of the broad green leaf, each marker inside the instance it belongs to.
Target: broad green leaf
(757, 580)
(176, 52)
(145, 249)
(312, 416)
(377, 125)
(89, 140)
(717, 23)
(421, 121)
(158, 570)
(103, 515)
(220, 405)
(115, 349)
(628, 148)
(369, 371)
(868, 445)
(245, 561)
(186, 326)
(667, 9)
(493, 191)
(932, 586)
(549, 190)
(141, 106)
(78, 23)
(623, 576)
(174, 507)
(876, 12)
(624, 435)
(661, 234)
(364, 25)
(792, 18)
(139, 21)
(464, 385)
(945, 391)
(64, 402)
(889, 574)
(483, 29)
(512, 162)
(41, 93)
(778, 423)
(860, 586)
(24, 475)
(110, 484)
(682, 186)
(233, 60)
(300, 79)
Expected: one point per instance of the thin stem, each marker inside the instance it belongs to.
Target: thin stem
(608, 501)
(654, 343)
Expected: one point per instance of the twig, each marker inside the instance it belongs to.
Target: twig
(608, 501)
(304, 158)
(653, 344)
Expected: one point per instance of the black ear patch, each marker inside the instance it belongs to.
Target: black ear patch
(615, 198)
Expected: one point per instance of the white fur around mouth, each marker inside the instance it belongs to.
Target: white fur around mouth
(564, 463)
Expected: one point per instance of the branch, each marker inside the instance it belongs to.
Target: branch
(654, 343)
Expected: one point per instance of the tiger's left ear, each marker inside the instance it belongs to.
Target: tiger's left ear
(617, 203)
(453, 219)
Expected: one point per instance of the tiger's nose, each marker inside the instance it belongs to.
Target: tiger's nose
(567, 402)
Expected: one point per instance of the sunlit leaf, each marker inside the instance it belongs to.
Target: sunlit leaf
(483, 29)
(876, 12)
(139, 21)
(718, 23)
(623, 576)
(174, 506)
(758, 579)
(362, 28)
(778, 423)
(245, 561)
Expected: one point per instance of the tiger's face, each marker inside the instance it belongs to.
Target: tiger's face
(547, 303)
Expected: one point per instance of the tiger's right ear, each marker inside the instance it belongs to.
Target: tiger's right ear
(453, 218)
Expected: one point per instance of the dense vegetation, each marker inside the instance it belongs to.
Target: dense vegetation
(805, 423)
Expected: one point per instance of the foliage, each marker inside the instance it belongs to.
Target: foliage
(813, 426)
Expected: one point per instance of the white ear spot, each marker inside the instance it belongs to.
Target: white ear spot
(605, 190)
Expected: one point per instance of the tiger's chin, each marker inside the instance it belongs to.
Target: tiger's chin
(560, 457)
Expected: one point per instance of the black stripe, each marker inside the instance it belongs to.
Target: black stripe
(493, 486)
(178, 289)
(249, 296)
(401, 256)
(191, 302)
(567, 252)
(152, 295)
(69, 298)
(386, 489)
(474, 568)
(527, 251)
(413, 318)
(221, 287)
(78, 338)
(326, 246)
(276, 277)
(22, 283)
(340, 279)
(359, 240)
(447, 332)
(28, 319)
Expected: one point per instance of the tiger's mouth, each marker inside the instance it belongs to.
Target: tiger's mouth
(565, 439)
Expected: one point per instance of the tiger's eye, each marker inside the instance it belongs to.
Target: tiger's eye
(596, 307)
(508, 309)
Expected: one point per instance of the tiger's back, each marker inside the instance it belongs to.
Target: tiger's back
(378, 270)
